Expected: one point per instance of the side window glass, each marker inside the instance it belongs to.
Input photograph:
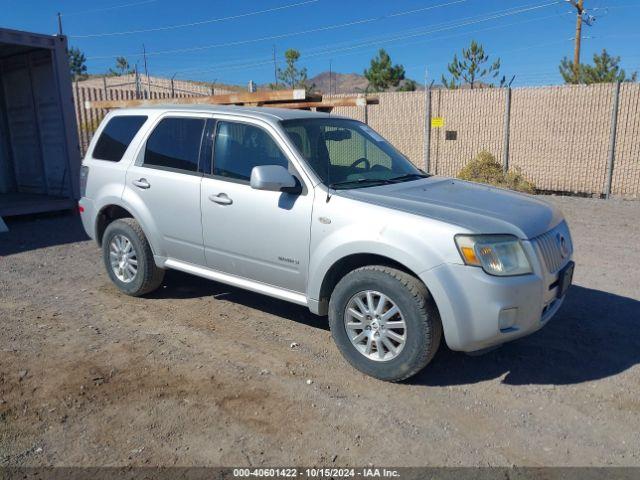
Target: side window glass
(116, 137)
(175, 143)
(240, 147)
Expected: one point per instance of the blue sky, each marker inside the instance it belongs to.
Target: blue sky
(530, 36)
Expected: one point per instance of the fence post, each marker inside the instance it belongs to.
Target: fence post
(137, 83)
(612, 140)
(507, 131)
(79, 106)
(104, 83)
(427, 128)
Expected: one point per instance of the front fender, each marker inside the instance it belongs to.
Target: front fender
(343, 227)
(404, 246)
(319, 269)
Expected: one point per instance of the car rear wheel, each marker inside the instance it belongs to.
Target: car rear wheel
(384, 322)
(128, 258)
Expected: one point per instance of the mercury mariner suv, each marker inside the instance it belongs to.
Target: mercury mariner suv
(322, 211)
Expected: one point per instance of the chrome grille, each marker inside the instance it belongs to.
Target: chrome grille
(550, 247)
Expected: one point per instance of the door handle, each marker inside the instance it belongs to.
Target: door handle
(221, 198)
(141, 183)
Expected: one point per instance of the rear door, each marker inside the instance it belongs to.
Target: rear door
(255, 234)
(165, 182)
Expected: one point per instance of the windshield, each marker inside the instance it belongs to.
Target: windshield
(348, 154)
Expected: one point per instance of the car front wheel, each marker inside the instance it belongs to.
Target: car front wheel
(384, 322)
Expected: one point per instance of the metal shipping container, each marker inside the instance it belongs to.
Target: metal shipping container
(39, 150)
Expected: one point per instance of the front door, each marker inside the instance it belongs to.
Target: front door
(258, 235)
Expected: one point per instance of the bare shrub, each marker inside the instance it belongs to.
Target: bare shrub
(486, 169)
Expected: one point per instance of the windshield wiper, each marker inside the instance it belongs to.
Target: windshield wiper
(368, 182)
(408, 176)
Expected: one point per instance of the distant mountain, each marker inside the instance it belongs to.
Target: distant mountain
(340, 82)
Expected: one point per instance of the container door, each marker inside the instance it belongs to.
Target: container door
(22, 120)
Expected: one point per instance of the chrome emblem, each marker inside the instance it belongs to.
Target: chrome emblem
(562, 244)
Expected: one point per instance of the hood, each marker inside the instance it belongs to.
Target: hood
(476, 207)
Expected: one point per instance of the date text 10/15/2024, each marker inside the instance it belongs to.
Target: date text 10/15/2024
(369, 472)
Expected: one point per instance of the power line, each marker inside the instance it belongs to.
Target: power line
(307, 54)
(283, 35)
(423, 9)
(193, 24)
(386, 39)
(104, 9)
(332, 52)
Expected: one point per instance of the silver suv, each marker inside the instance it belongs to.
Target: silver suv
(321, 211)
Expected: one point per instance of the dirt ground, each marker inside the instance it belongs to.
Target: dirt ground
(203, 374)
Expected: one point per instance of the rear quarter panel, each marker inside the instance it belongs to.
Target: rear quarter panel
(106, 180)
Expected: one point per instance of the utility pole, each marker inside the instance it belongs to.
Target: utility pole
(137, 83)
(275, 67)
(146, 72)
(576, 53)
(579, 5)
(330, 77)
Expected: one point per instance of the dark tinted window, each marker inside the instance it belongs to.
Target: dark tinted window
(175, 143)
(240, 147)
(117, 136)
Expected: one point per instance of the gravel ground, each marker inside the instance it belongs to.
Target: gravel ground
(203, 374)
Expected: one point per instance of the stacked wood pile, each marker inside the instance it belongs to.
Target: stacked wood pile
(298, 98)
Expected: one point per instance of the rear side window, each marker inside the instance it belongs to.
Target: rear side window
(175, 144)
(117, 136)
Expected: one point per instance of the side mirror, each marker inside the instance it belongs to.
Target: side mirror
(274, 178)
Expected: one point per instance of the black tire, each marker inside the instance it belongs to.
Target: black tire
(423, 326)
(148, 276)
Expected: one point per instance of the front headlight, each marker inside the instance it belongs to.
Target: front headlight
(500, 255)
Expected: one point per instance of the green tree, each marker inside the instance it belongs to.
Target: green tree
(122, 67)
(473, 68)
(408, 86)
(77, 64)
(605, 69)
(382, 74)
(292, 76)
(568, 72)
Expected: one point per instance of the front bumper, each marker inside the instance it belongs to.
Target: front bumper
(479, 310)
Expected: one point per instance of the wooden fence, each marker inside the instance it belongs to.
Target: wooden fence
(89, 119)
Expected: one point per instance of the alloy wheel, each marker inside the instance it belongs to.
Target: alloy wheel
(123, 258)
(375, 325)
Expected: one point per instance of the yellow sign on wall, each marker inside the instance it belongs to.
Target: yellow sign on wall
(437, 122)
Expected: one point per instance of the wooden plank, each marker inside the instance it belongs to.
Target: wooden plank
(329, 103)
(228, 99)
